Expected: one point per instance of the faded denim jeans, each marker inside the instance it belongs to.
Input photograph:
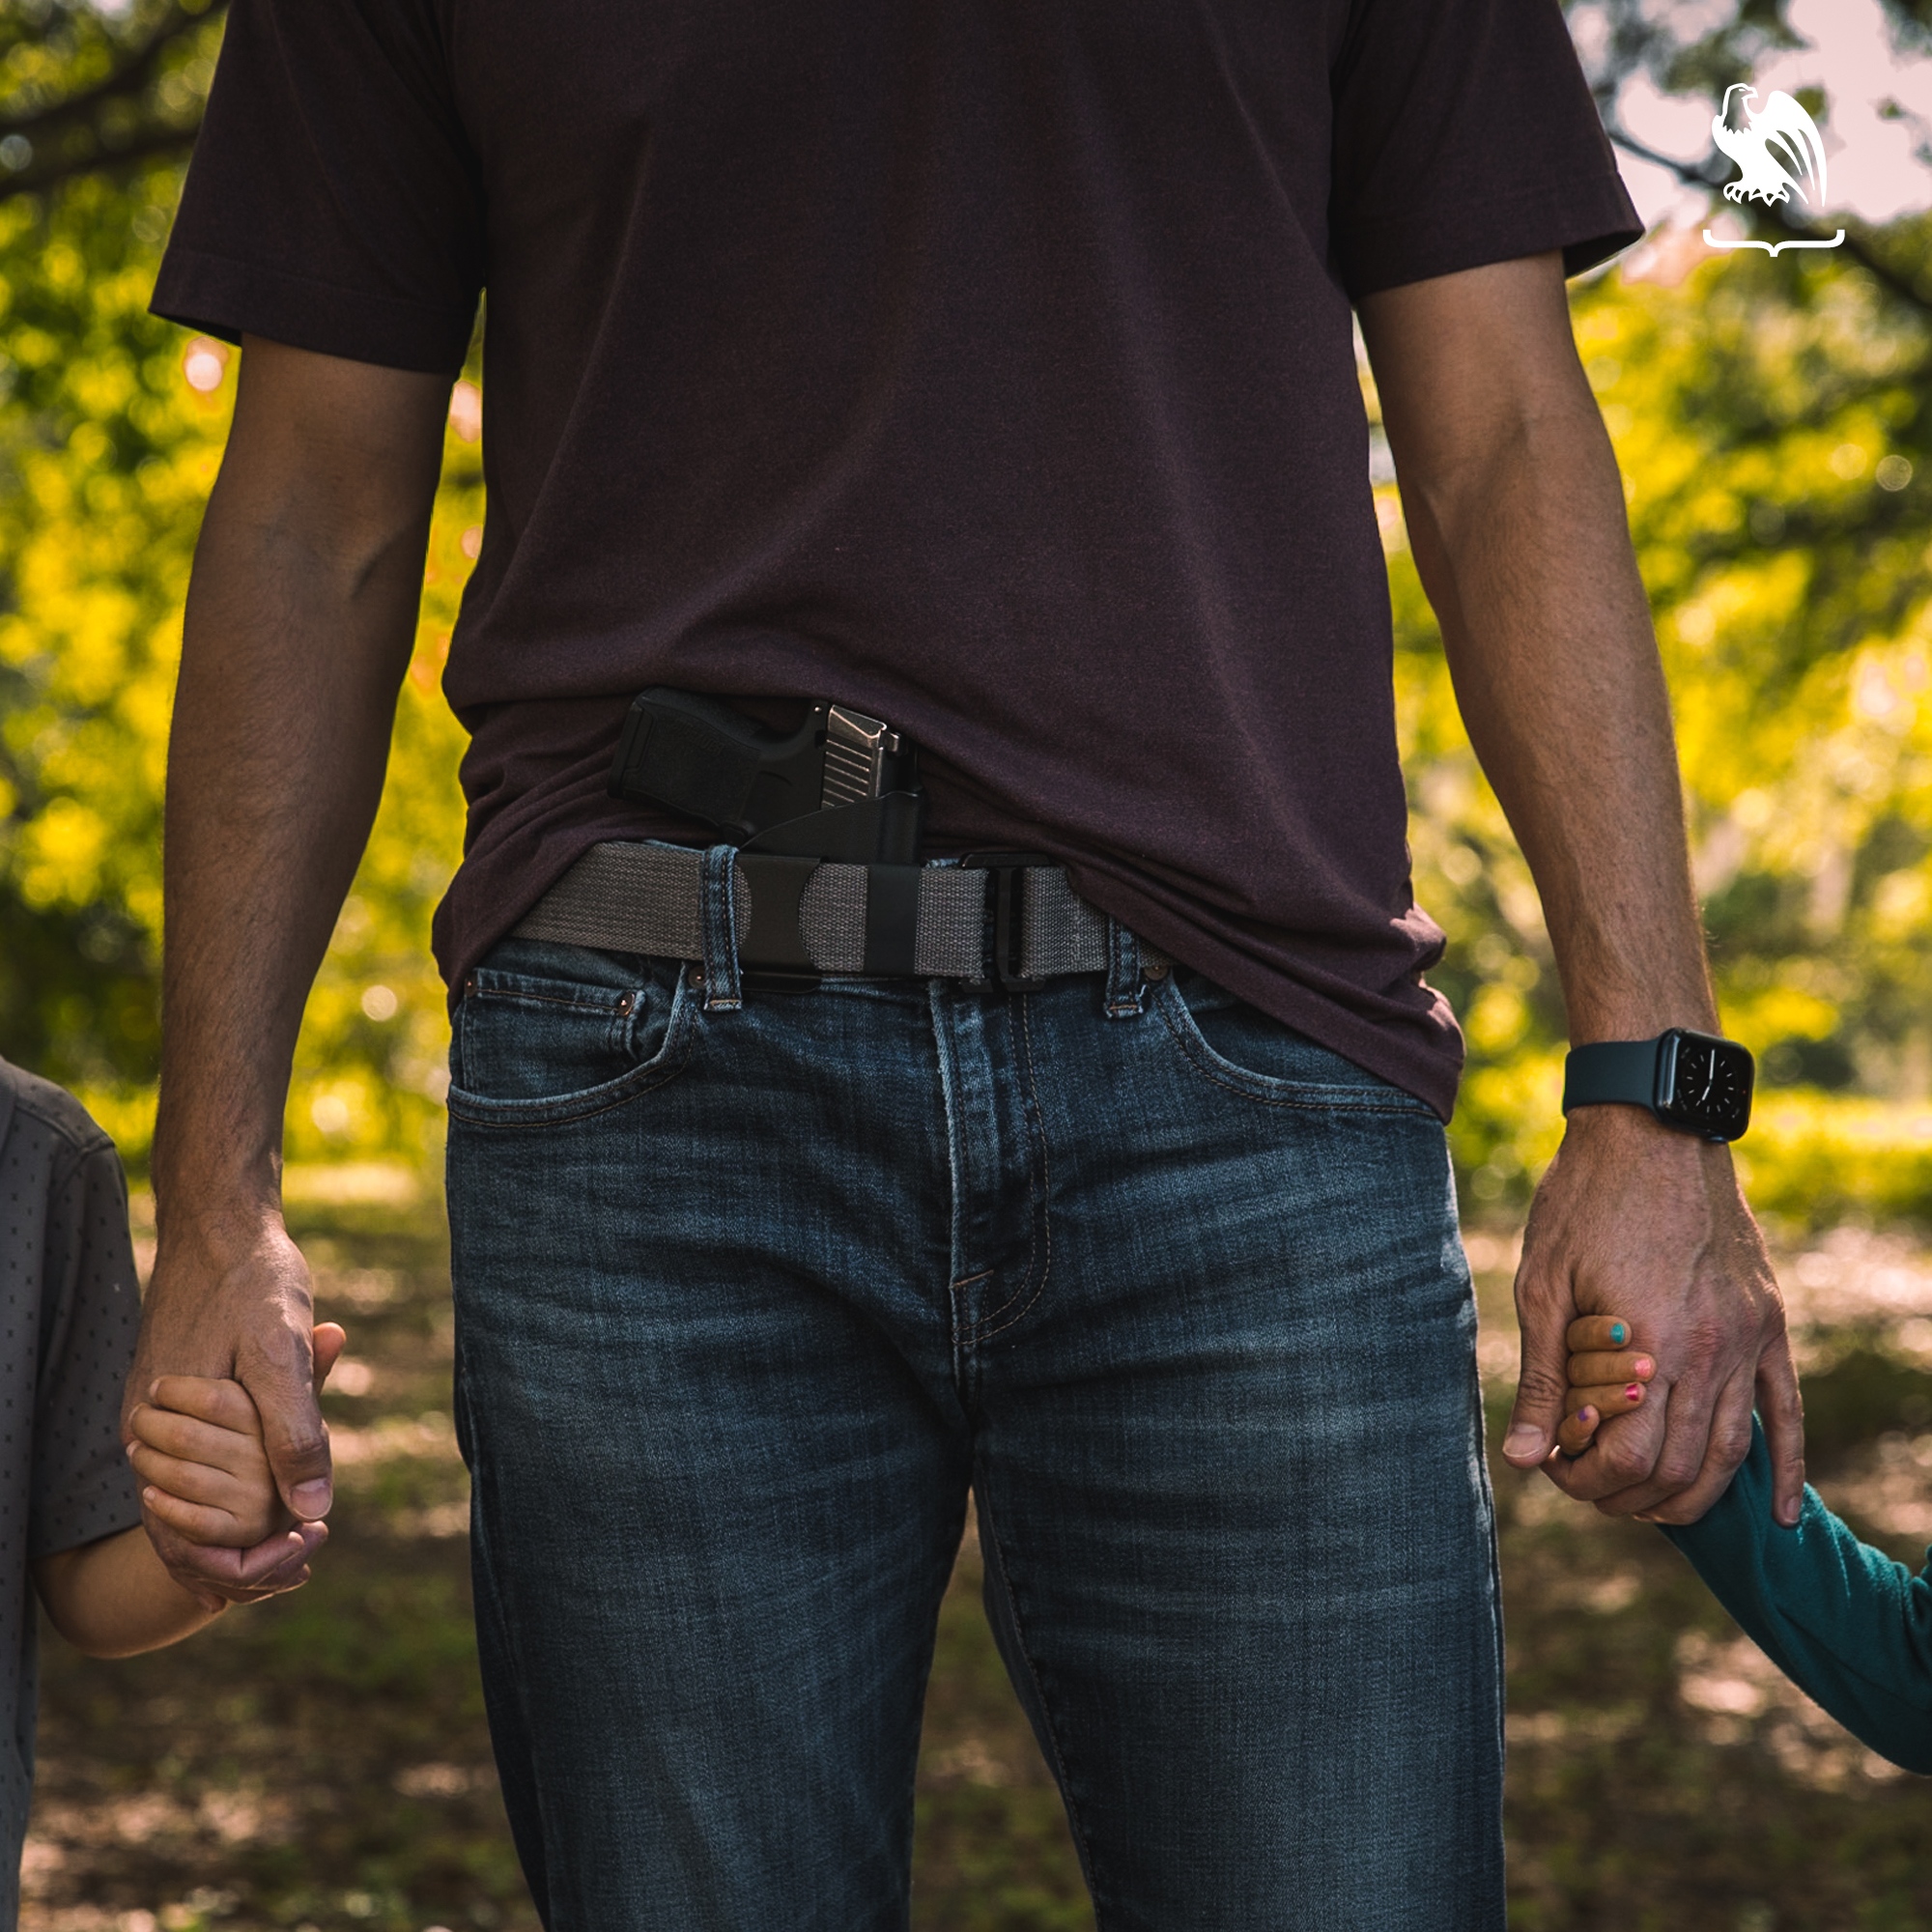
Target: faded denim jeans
(749, 1295)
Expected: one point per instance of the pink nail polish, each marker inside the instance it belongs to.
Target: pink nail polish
(1634, 1393)
(1645, 1366)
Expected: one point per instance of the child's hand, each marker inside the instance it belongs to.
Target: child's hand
(198, 1451)
(1607, 1376)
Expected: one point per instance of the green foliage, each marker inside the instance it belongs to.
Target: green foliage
(1699, 49)
(107, 451)
(1821, 1157)
(106, 459)
(99, 89)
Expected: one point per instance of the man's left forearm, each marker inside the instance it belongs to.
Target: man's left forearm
(1515, 510)
(1515, 514)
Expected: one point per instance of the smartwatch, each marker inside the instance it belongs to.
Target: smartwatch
(1693, 1081)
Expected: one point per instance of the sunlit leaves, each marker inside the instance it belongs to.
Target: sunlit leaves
(111, 426)
(101, 88)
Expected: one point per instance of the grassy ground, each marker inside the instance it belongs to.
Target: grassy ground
(322, 1762)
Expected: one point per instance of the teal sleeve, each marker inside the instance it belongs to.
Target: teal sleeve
(1847, 1625)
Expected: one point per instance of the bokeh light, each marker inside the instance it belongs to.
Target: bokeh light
(466, 412)
(204, 364)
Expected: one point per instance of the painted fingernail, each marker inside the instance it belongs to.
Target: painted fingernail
(1645, 1366)
(1634, 1393)
(1617, 1333)
(1586, 1416)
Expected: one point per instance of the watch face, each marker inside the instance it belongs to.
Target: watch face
(1705, 1084)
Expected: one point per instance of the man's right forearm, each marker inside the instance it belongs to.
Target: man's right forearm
(300, 618)
(275, 762)
(300, 621)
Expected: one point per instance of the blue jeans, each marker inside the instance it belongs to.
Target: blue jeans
(750, 1293)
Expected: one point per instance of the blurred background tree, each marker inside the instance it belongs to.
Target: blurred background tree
(1770, 416)
(101, 89)
(111, 425)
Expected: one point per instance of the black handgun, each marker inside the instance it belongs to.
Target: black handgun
(843, 787)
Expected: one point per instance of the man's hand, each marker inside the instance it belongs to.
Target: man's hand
(1636, 1219)
(200, 1453)
(243, 1311)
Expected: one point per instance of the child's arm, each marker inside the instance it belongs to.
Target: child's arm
(1847, 1625)
(114, 1598)
(1851, 1628)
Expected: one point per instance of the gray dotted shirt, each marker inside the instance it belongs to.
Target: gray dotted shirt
(70, 1307)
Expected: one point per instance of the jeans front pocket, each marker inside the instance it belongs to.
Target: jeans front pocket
(545, 1034)
(1241, 1049)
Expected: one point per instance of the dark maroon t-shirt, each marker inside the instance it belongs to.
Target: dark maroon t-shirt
(983, 364)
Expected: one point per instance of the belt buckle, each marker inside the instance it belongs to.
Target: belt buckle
(1008, 951)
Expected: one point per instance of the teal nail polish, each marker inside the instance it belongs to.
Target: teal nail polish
(1617, 1333)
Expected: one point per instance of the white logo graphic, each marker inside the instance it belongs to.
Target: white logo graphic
(1783, 133)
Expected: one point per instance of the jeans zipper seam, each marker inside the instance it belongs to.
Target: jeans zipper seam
(1043, 1201)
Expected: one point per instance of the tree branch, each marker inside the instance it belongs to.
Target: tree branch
(100, 159)
(83, 133)
(129, 77)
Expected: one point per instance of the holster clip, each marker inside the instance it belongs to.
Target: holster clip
(773, 948)
(773, 943)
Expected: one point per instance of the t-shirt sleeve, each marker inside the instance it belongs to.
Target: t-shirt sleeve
(1847, 1625)
(1465, 133)
(333, 202)
(82, 1486)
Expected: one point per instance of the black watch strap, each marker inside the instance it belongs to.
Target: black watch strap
(1611, 1070)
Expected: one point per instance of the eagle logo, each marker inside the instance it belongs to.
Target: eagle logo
(1763, 144)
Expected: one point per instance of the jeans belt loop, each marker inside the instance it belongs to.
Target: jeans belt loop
(718, 923)
(1127, 984)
